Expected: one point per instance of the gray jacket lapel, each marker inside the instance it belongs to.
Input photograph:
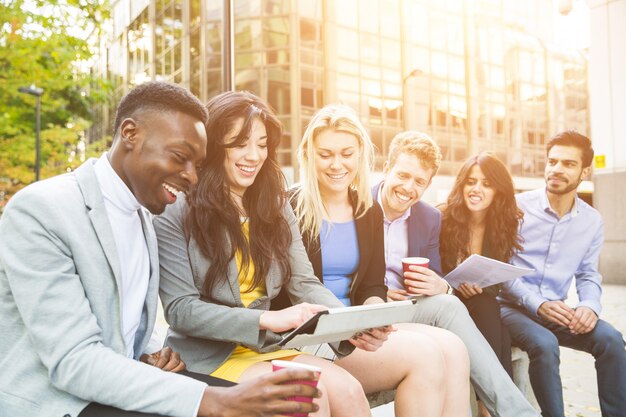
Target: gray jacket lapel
(233, 281)
(224, 291)
(90, 188)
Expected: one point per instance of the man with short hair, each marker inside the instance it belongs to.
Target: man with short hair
(412, 229)
(79, 277)
(563, 237)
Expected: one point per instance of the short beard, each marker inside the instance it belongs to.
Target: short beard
(566, 190)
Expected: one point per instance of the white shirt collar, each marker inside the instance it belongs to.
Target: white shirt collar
(113, 188)
(547, 207)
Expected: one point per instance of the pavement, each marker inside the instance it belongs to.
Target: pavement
(578, 374)
(577, 368)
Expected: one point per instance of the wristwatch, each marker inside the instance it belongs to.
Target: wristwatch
(450, 290)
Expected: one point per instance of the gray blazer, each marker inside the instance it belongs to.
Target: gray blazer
(61, 339)
(206, 331)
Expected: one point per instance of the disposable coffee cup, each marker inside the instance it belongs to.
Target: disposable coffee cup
(277, 365)
(415, 260)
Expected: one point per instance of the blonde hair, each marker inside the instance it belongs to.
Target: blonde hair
(310, 208)
(418, 144)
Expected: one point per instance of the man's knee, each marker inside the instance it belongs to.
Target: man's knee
(440, 310)
(542, 345)
(449, 302)
(538, 341)
(609, 338)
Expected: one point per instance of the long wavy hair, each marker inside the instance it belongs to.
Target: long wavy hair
(503, 216)
(309, 205)
(213, 218)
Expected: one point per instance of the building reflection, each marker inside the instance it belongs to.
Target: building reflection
(474, 74)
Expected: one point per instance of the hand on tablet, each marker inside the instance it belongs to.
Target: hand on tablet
(289, 318)
(372, 339)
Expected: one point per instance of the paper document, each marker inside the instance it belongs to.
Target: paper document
(342, 323)
(484, 271)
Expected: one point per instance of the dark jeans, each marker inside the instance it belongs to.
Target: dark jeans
(541, 340)
(485, 311)
(99, 410)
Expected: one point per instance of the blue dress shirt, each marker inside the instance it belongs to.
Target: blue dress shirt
(559, 250)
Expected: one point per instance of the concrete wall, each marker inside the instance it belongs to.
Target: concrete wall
(607, 91)
(610, 198)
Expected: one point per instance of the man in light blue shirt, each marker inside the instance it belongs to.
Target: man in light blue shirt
(563, 237)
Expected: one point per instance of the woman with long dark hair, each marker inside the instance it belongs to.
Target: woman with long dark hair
(482, 217)
(230, 247)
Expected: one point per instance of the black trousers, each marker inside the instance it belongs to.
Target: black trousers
(99, 410)
(485, 311)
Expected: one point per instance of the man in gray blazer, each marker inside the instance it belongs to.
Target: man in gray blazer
(79, 280)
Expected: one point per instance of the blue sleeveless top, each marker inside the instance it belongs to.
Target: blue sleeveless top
(340, 257)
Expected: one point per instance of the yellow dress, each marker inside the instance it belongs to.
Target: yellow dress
(242, 357)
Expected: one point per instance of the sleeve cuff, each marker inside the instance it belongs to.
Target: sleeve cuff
(198, 404)
(532, 303)
(251, 339)
(595, 306)
(188, 393)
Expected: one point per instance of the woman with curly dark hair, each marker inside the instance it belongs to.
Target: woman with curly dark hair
(482, 217)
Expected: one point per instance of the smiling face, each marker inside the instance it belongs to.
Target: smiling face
(404, 184)
(160, 154)
(336, 161)
(564, 169)
(478, 192)
(243, 162)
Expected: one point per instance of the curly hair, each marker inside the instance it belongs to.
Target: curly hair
(214, 217)
(503, 216)
(418, 144)
(159, 96)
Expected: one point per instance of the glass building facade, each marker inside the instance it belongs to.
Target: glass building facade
(474, 74)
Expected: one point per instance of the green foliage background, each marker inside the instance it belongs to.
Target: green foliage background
(46, 43)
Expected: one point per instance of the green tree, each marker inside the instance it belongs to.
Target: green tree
(46, 43)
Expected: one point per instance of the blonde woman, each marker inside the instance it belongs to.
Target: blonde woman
(342, 232)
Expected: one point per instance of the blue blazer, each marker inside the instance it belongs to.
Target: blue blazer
(424, 228)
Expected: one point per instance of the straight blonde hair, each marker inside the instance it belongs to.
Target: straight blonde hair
(310, 208)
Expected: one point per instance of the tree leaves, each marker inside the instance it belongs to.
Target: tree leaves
(46, 43)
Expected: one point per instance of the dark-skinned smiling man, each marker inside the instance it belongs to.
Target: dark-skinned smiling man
(79, 278)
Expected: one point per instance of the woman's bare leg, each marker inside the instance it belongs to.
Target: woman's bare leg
(409, 362)
(457, 364)
(346, 397)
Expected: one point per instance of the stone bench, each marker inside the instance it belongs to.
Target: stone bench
(520, 378)
(520, 375)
